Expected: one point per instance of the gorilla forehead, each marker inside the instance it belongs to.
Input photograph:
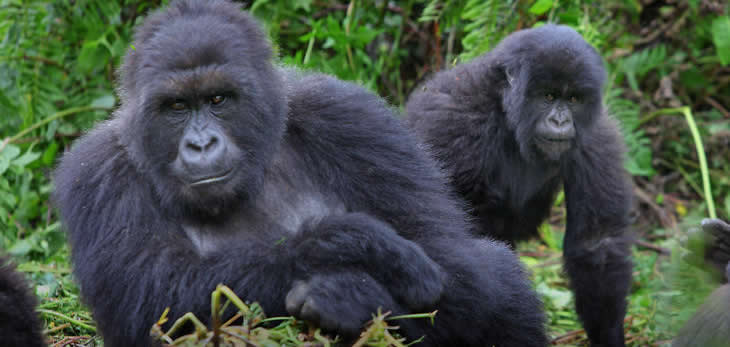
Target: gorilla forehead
(191, 34)
(196, 82)
(189, 43)
(556, 55)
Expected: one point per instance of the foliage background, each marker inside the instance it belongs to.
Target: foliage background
(57, 72)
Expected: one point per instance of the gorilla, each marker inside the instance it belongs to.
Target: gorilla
(19, 323)
(297, 190)
(513, 125)
(710, 325)
(716, 236)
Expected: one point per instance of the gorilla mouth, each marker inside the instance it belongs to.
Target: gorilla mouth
(212, 178)
(556, 140)
(553, 146)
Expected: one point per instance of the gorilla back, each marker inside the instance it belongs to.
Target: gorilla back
(298, 191)
(513, 125)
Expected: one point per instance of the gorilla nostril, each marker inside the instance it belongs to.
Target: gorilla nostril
(559, 122)
(212, 144)
(554, 121)
(193, 146)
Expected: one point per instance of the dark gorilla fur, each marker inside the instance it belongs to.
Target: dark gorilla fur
(513, 125)
(19, 322)
(298, 191)
(710, 325)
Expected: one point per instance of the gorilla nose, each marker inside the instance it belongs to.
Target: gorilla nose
(202, 149)
(559, 121)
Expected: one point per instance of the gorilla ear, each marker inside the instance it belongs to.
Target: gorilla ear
(509, 77)
(508, 74)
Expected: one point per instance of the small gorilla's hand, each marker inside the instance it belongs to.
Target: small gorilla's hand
(356, 240)
(710, 245)
(717, 249)
(718, 229)
(338, 302)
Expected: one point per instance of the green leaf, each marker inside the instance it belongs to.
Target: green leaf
(6, 155)
(92, 55)
(721, 38)
(49, 155)
(559, 298)
(303, 4)
(541, 6)
(8, 198)
(21, 247)
(26, 159)
(106, 100)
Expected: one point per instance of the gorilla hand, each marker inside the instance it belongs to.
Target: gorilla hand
(710, 245)
(361, 241)
(339, 302)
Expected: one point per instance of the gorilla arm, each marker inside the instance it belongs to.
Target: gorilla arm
(597, 242)
(487, 298)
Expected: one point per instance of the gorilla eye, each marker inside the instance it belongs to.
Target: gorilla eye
(178, 105)
(218, 99)
(549, 97)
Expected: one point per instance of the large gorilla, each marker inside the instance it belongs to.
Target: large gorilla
(513, 125)
(298, 191)
(710, 325)
(19, 322)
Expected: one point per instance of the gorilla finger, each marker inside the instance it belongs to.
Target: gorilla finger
(296, 297)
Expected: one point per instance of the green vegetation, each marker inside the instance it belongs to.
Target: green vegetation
(669, 86)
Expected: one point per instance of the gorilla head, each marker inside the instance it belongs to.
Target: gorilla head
(544, 101)
(206, 119)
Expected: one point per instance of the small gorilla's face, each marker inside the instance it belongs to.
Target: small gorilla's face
(555, 111)
(555, 128)
(553, 89)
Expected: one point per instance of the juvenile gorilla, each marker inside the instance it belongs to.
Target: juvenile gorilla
(301, 192)
(19, 322)
(513, 125)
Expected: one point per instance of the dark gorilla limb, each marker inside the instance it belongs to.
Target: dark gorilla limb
(19, 322)
(363, 242)
(327, 297)
(597, 245)
(221, 168)
(710, 325)
(717, 243)
(512, 126)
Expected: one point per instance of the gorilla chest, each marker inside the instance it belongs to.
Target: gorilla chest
(276, 214)
(519, 187)
(519, 197)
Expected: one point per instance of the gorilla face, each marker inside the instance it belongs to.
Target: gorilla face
(207, 158)
(210, 120)
(554, 131)
(551, 94)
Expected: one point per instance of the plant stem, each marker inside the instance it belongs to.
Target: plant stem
(67, 318)
(704, 171)
(51, 118)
